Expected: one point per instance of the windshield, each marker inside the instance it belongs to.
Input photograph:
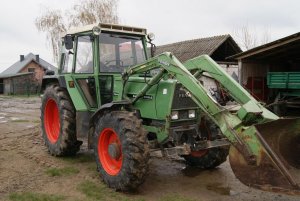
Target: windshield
(120, 51)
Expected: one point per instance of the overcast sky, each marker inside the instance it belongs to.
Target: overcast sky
(170, 20)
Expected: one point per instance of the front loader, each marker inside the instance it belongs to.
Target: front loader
(125, 103)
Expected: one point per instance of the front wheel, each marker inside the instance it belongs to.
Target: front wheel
(121, 150)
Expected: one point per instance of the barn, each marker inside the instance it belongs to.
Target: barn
(24, 76)
(271, 72)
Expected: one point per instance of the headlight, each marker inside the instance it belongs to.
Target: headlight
(151, 36)
(96, 30)
(174, 115)
(192, 114)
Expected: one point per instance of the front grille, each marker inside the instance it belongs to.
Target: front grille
(181, 99)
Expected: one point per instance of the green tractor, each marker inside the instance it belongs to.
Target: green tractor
(126, 103)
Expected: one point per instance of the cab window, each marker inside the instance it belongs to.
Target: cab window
(120, 51)
(84, 55)
(67, 59)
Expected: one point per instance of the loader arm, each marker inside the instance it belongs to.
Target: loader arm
(231, 125)
(251, 110)
(250, 152)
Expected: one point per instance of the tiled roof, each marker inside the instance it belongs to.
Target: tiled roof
(188, 49)
(19, 65)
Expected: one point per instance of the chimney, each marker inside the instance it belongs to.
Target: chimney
(37, 58)
(22, 58)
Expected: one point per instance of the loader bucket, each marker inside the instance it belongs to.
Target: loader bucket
(278, 166)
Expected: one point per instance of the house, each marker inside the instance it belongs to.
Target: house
(281, 55)
(24, 76)
(217, 47)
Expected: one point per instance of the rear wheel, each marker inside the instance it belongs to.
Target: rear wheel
(208, 159)
(58, 122)
(211, 159)
(121, 150)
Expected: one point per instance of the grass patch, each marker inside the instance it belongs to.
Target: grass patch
(92, 190)
(81, 158)
(62, 171)
(19, 120)
(36, 121)
(29, 196)
(99, 191)
(174, 197)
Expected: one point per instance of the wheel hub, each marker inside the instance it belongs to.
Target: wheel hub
(114, 150)
(110, 151)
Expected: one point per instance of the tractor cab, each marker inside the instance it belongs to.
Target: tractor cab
(96, 55)
(110, 50)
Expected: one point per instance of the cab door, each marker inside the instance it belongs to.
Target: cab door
(85, 70)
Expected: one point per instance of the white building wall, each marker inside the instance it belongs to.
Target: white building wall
(210, 83)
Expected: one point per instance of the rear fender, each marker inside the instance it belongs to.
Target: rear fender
(54, 79)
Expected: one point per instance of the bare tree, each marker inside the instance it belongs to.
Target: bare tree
(91, 11)
(55, 22)
(52, 23)
(266, 36)
(248, 38)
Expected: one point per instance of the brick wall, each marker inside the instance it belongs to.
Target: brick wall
(38, 70)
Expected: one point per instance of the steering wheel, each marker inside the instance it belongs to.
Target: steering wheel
(114, 60)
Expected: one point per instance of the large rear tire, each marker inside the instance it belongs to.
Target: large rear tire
(121, 150)
(59, 122)
(208, 159)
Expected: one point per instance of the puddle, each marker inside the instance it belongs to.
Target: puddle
(29, 126)
(3, 121)
(3, 114)
(219, 188)
(2, 117)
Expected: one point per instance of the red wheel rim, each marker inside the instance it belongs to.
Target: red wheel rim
(51, 120)
(111, 164)
(199, 153)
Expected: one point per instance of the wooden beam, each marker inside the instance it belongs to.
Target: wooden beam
(267, 47)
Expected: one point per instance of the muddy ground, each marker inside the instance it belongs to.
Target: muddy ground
(28, 172)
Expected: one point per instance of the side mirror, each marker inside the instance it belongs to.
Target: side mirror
(153, 49)
(68, 40)
(151, 37)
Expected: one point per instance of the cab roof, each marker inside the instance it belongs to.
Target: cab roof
(110, 27)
